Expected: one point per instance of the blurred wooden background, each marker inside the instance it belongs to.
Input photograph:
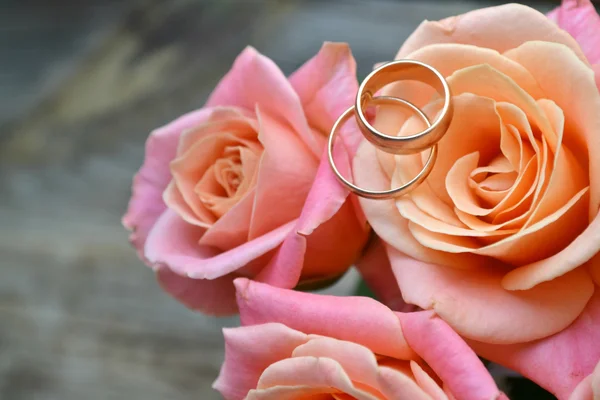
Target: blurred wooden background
(82, 82)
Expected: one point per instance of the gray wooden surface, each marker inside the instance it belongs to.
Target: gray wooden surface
(81, 85)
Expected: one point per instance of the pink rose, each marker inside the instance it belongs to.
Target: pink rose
(503, 241)
(300, 345)
(241, 187)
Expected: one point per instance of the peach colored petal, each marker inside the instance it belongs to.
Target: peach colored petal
(269, 88)
(189, 168)
(235, 120)
(500, 28)
(346, 318)
(559, 362)
(517, 198)
(457, 185)
(516, 214)
(286, 167)
(596, 380)
(387, 221)
(580, 19)
(583, 391)
(358, 362)
(578, 252)
(449, 58)
(247, 356)
(413, 214)
(174, 243)
(475, 127)
(231, 230)
(174, 199)
(309, 372)
(571, 85)
(212, 297)
(449, 356)
(396, 385)
(294, 393)
(536, 242)
(466, 299)
(427, 383)
(146, 203)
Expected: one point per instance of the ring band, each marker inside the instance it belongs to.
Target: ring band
(386, 194)
(403, 70)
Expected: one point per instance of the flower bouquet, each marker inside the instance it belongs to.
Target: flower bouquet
(466, 192)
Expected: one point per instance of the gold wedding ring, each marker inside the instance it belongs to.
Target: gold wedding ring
(386, 194)
(401, 70)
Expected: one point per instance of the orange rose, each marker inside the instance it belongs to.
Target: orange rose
(501, 238)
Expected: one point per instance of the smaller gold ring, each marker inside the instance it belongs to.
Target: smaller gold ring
(404, 70)
(385, 194)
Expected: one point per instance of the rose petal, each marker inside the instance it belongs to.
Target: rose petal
(269, 88)
(231, 230)
(346, 318)
(387, 221)
(329, 227)
(557, 363)
(450, 357)
(500, 28)
(396, 385)
(577, 253)
(247, 355)
(376, 271)
(427, 383)
(583, 391)
(189, 168)
(327, 85)
(580, 19)
(358, 362)
(292, 375)
(474, 303)
(565, 83)
(212, 297)
(146, 203)
(286, 168)
(174, 243)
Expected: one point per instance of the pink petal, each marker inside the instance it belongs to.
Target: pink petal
(327, 85)
(557, 363)
(213, 297)
(249, 350)
(267, 87)
(580, 19)
(285, 176)
(376, 270)
(474, 303)
(449, 356)
(331, 225)
(499, 28)
(146, 203)
(345, 318)
(174, 243)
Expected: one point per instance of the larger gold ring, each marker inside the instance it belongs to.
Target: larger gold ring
(386, 194)
(403, 70)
